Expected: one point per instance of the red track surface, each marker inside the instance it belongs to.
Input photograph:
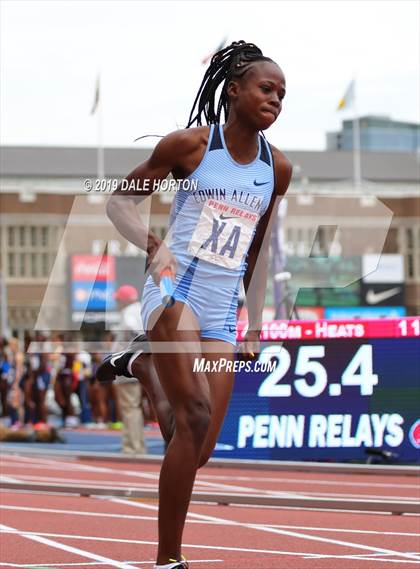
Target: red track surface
(69, 531)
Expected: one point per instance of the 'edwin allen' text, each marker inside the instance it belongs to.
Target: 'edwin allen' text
(238, 196)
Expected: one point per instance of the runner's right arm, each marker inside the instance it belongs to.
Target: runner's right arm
(122, 210)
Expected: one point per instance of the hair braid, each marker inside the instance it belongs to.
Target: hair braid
(229, 63)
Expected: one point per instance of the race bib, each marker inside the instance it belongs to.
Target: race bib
(223, 234)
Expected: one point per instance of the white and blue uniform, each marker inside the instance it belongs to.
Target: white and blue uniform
(212, 227)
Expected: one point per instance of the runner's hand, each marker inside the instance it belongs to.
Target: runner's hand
(250, 346)
(161, 259)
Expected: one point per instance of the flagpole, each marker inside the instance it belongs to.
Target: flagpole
(357, 164)
(3, 307)
(279, 262)
(100, 158)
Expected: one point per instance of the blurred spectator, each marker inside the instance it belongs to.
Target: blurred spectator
(129, 396)
(51, 382)
(128, 389)
(129, 306)
(97, 395)
(4, 374)
(15, 395)
(63, 387)
(40, 377)
(82, 370)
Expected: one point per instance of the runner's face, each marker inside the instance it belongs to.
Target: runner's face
(260, 94)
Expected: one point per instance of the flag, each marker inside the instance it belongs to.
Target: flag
(97, 96)
(348, 97)
(222, 44)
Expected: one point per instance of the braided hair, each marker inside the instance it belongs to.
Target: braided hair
(228, 64)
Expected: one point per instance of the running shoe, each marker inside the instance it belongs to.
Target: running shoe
(174, 564)
(183, 564)
(117, 363)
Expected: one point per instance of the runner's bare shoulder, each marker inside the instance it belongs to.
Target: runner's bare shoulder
(283, 169)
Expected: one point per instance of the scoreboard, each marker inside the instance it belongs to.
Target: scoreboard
(333, 389)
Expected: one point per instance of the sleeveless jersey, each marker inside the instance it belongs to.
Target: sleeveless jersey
(213, 220)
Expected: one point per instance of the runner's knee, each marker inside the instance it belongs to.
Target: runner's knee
(166, 420)
(195, 420)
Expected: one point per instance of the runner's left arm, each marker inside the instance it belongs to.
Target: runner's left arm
(255, 278)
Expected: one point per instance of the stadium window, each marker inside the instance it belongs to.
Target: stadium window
(410, 266)
(409, 246)
(31, 249)
(12, 264)
(11, 236)
(44, 236)
(22, 236)
(409, 236)
(22, 259)
(33, 236)
(45, 266)
(33, 265)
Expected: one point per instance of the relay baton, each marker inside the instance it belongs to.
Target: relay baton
(167, 288)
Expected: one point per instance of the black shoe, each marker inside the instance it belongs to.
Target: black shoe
(113, 365)
(117, 364)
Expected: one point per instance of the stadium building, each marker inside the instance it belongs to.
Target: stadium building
(377, 134)
(51, 227)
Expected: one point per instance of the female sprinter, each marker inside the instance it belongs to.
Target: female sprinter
(217, 236)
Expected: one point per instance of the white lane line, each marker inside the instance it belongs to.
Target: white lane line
(218, 487)
(372, 557)
(332, 541)
(187, 545)
(274, 530)
(75, 550)
(74, 466)
(96, 564)
(150, 476)
(143, 542)
(155, 476)
(24, 465)
(341, 530)
(204, 522)
(212, 485)
(39, 460)
(215, 485)
(323, 510)
(308, 481)
(283, 532)
(363, 555)
(144, 485)
(234, 488)
(90, 468)
(80, 513)
(191, 560)
(381, 560)
(110, 483)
